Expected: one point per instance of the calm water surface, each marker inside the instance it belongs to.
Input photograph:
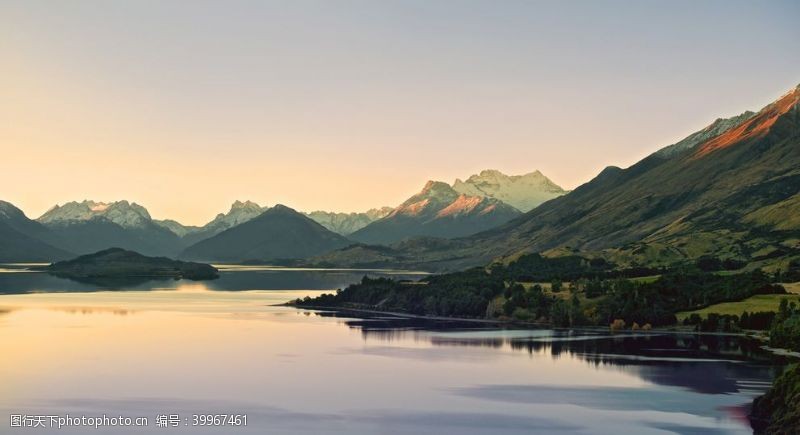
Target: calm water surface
(181, 347)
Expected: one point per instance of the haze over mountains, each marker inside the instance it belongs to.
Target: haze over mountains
(731, 190)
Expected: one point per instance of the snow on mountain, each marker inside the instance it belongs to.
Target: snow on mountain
(716, 128)
(434, 196)
(239, 213)
(437, 211)
(464, 204)
(754, 127)
(348, 223)
(122, 213)
(523, 192)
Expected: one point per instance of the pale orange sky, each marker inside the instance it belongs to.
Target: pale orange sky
(184, 107)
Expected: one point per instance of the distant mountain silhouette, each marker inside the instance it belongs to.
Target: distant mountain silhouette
(25, 240)
(278, 233)
(239, 213)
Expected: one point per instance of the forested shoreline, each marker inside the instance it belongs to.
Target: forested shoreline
(575, 291)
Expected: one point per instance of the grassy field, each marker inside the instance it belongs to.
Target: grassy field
(752, 304)
(646, 279)
(793, 287)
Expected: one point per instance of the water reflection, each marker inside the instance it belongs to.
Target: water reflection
(706, 364)
(190, 350)
(18, 280)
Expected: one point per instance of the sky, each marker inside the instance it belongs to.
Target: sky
(186, 106)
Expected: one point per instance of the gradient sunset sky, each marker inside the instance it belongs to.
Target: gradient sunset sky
(185, 106)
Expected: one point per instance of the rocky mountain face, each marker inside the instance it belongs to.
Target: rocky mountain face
(524, 192)
(276, 234)
(437, 211)
(89, 226)
(25, 240)
(721, 125)
(348, 223)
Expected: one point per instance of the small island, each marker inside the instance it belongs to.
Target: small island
(120, 263)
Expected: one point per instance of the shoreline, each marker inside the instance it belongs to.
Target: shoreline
(759, 337)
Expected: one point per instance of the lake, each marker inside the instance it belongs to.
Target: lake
(181, 349)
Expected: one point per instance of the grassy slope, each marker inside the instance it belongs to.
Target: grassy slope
(752, 304)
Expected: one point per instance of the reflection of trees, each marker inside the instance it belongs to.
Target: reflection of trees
(709, 364)
(704, 364)
(95, 310)
(121, 283)
(468, 342)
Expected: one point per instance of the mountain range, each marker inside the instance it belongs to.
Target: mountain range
(731, 190)
(348, 223)
(242, 211)
(78, 228)
(278, 233)
(239, 213)
(437, 211)
(88, 226)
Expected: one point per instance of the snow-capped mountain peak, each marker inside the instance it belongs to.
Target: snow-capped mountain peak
(348, 223)
(122, 213)
(239, 213)
(435, 194)
(523, 192)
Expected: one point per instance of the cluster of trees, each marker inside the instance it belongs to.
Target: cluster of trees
(471, 293)
(463, 294)
(714, 264)
(536, 268)
(534, 304)
(714, 322)
(680, 290)
(792, 273)
(785, 331)
(777, 411)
